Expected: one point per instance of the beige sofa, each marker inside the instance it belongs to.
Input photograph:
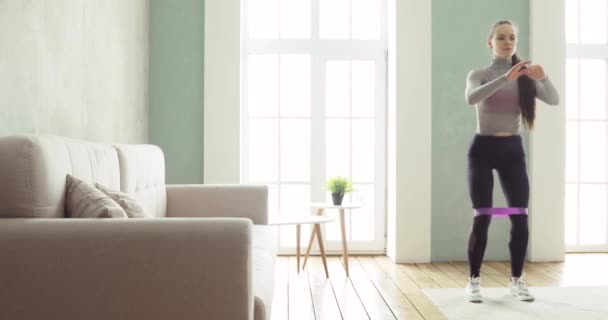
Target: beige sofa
(207, 254)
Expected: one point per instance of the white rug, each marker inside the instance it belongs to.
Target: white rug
(553, 303)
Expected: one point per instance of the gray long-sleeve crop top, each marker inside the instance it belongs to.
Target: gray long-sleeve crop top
(497, 99)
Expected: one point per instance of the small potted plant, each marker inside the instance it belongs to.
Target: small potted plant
(338, 186)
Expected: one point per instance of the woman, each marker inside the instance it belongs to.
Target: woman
(504, 93)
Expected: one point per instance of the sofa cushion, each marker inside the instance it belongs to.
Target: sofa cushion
(263, 256)
(130, 205)
(83, 200)
(33, 170)
(142, 176)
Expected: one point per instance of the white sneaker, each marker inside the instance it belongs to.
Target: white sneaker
(519, 289)
(472, 292)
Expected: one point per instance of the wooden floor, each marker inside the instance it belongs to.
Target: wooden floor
(380, 289)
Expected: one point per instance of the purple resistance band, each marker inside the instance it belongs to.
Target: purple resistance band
(501, 212)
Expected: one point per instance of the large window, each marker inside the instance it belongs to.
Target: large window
(587, 123)
(314, 106)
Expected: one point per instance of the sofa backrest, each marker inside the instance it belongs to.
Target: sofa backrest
(33, 172)
(142, 175)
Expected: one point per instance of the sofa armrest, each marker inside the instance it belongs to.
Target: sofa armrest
(243, 201)
(149, 269)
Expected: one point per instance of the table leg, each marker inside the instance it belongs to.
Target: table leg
(344, 245)
(312, 238)
(321, 247)
(298, 246)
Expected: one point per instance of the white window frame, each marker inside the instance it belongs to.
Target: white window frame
(409, 185)
(321, 51)
(586, 51)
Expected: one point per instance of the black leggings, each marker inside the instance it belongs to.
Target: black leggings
(506, 156)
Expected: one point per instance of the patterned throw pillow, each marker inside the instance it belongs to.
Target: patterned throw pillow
(131, 207)
(83, 200)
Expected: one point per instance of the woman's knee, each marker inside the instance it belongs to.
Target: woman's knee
(481, 224)
(519, 224)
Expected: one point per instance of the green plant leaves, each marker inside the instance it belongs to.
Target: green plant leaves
(339, 185)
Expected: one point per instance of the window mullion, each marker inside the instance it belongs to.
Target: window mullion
(317, 122)
(578, 185)
(380, 177)
(605, 57)
(362, 49)
(317, 128)
(279, 122)
(315, 10)
(578, 128)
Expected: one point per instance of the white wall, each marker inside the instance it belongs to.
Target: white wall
(547, 141)
(222, 107)
(74, 68)
(409, 181)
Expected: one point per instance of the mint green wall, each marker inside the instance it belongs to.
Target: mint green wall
(176, 86)
(459, 32)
